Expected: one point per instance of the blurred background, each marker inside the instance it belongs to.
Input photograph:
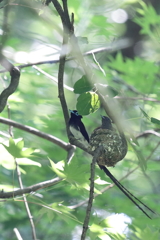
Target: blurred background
(127, 34)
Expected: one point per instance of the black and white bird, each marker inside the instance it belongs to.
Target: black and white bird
(77, 128)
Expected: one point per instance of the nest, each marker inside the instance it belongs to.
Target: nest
(114, 146)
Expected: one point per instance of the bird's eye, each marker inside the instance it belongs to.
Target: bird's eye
(76, 114)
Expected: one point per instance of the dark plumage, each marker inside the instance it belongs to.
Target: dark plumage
(106, 123)
(77, 127)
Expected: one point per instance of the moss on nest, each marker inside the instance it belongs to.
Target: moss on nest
(114, 146)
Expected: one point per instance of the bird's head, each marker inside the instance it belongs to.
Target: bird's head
(74, 113)
(106, 123)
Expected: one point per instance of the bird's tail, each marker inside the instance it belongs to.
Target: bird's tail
(126, 192)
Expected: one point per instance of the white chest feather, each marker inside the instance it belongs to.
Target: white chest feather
(78, 136)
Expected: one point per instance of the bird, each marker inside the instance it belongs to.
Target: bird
(106, 135)
(106, 123)
(114, 144)
(77, 128)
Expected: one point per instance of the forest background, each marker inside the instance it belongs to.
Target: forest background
(120, 42)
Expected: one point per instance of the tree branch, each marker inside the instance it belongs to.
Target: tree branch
(148, 132)
(95, 51)
(55, 140)
(30, 189)
(66, 33)
(15, 75)
(91, 195)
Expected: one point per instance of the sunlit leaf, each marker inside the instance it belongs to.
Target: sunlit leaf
(16, 149)
(87, 103)
(56, 169)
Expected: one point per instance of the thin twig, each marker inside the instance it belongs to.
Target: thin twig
(147, 133)
(25, 202)
(9, 116)
(52, 78)
(138, 98)
(17, 233)
(91, 195)
(95, 51)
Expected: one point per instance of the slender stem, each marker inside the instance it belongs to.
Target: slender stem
(17, 234)
(91, 195)
(25, 202)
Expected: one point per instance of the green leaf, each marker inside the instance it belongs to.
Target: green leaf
(117, 236)
(16, 149)
(97, 231)
(155, 120)
(82, 85)
(147, 233)
(58, 209)
(8, 162)
(148, 19)
(87, 103)
(145, 114)
(74, 172)
(20, 144)
(26, 161)
(55, 168)
(133, 72)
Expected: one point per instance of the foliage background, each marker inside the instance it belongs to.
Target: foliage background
(132, 67)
